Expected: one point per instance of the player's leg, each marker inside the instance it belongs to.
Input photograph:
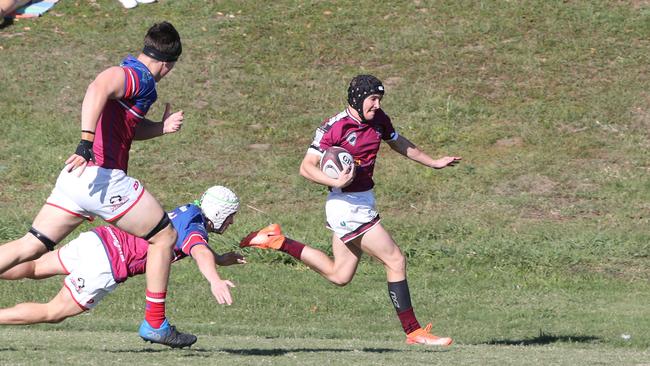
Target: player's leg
(378, 243)
(144, 220)
(62, 306)
(338, 270)
(8, 6)
(46, 266)
(148, 220)
(51, 225)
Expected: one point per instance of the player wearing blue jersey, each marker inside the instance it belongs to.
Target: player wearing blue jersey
(94, 181)
(97, 261)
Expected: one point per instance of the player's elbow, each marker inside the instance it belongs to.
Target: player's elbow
(303, 171)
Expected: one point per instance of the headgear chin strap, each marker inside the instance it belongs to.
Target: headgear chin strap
(360, 88)
(159, 55)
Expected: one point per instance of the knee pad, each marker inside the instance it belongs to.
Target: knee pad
(163, 223)
(49, 243)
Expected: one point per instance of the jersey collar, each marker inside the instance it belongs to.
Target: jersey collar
(350, 115)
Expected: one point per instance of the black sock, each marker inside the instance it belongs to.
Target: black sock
(399, 295)
(401, 298)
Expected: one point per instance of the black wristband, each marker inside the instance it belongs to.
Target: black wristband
(85, 150)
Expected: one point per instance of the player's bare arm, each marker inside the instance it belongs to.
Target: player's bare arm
(206, 261)
(109, 84)
(309, 168)
(405, 147)
(170, 123)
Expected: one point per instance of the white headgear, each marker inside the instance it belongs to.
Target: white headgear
(217, 203)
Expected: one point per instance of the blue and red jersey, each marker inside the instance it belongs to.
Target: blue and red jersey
(116, 125)
(128, 253)
(361, 139)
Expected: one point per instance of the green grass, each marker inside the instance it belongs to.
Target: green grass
(533, 251)
(112, 348)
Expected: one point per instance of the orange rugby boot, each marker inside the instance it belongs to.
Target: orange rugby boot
(423, 336)
(268, 238)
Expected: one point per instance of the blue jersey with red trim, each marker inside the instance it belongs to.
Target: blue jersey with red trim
(139, 86)
(190, 225)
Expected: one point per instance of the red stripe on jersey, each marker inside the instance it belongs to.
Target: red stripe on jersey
(131, 83)
(192, 240)
(128, 82)
(136, 84)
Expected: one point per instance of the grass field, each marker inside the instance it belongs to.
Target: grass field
(535, 250)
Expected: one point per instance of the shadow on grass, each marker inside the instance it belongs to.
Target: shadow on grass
(283, 351)
(543, 339)
(256, 351)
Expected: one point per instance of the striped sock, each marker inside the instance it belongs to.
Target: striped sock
(154, 312)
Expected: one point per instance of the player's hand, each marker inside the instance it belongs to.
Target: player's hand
(75, 161)
(446, 161)
(172, 122)
(230, 258)
(81, 157)
(345, 178)
(221, 291)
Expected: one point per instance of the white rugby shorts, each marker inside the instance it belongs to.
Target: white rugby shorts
(90, 277)
(107, 193)
(351, 214)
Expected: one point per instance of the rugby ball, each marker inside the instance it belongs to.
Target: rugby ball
(335, 160)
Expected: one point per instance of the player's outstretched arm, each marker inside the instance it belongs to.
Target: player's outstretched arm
(206, 261)
(405, 147)
(170, 123)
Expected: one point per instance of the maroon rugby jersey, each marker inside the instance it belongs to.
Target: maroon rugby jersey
(116, 125)
(361, 139)
(127, 254)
